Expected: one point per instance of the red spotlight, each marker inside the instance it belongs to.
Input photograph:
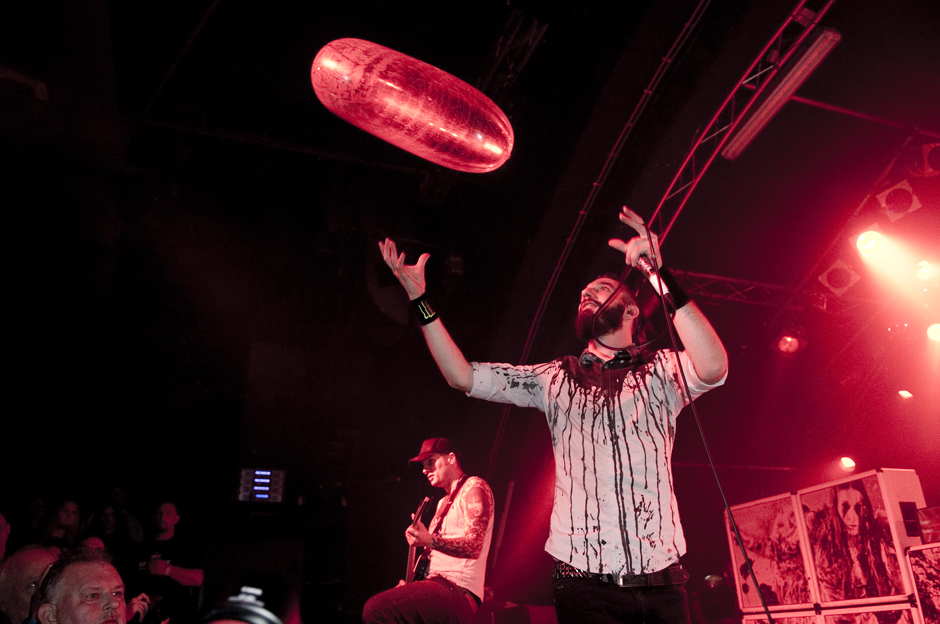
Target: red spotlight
(904, 394)
(931, 159)
(868, 242)
(924, 270)
(790, 344)
(847, 464)
(933, 332)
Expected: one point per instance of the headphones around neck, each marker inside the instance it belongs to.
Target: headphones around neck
(622, 359)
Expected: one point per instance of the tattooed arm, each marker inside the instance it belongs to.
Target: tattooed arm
(479, 512)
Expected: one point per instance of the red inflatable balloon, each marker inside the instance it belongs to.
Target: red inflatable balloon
(411, 104)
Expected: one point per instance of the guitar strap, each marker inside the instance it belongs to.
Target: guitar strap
(440, 517)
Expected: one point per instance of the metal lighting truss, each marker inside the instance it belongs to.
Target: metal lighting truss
(733, 112)
(704, 287)
(716, 288)
(520, 36)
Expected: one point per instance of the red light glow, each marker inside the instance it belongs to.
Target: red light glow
(933, 332)
(847, 464)
(789, 344)
(924, 270)
(868, 242)
(904, 394)
(412, 105)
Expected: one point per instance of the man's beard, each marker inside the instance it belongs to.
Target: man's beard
(608, 320)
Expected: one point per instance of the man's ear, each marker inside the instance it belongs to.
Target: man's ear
(46, 614)
(631, 311)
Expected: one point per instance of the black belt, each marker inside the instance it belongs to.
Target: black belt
(673, 575)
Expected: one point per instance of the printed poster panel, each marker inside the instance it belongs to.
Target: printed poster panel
(783, 619)
(850, 541)
(925, 565)
(772, 537)
(861, 616)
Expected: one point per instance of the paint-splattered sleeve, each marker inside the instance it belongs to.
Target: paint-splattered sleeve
(696, 386)
(520, 385)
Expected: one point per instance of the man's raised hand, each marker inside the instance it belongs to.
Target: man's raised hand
(411, 276)
(638, 245)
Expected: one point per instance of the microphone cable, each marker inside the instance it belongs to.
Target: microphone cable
(670, 327)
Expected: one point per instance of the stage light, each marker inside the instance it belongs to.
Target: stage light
(924, 270)
(887, 257)
(839, 277)
(933, 332)
(413, 105)
(789, 344)
(904, 394)
(898, 201)
(847, 464)
(869, 242)
(787, 81)
(931, 159)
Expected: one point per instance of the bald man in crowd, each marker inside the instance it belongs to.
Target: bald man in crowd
(19, 580)
(84, 588)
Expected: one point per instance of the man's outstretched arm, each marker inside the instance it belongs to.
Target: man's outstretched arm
(450, 360)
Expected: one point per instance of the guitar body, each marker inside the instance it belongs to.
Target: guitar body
(422, 565)
(417, 569)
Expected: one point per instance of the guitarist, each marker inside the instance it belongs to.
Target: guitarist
(455, 545)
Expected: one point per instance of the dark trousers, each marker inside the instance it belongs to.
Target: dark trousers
(434, 601)
(583, 601)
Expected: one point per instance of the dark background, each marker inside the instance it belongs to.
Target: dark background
(194, 286)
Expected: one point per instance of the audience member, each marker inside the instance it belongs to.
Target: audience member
(4, 536)
(19, 579)
(124, 519)
(63, 528)
(169, 570)
(84, 588)
(106, 529)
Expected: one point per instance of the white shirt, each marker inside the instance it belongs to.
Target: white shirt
(612, 435)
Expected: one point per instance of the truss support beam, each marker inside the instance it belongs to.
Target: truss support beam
(709, 142)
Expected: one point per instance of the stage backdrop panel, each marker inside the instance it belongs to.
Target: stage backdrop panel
(857, 537)
(876, 614)
(776, 545)
(871, 614)
(925, 566)
(784, 618)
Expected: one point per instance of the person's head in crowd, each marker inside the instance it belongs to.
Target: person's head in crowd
(165, 520)
(20, 576)
(103, 523)
(92, 542)
(82, 588)
(107, 519)
(4, 536)
(65, 522)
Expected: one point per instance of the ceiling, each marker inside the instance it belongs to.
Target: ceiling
(194, 237)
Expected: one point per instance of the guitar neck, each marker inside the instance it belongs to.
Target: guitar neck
(410, 570)
(413, 550)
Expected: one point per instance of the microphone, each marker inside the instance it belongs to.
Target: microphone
(645, 265)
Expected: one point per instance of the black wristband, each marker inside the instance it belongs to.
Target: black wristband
(423, 310)
(680, 298)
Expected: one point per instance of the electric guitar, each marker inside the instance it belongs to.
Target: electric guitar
(418, 564)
